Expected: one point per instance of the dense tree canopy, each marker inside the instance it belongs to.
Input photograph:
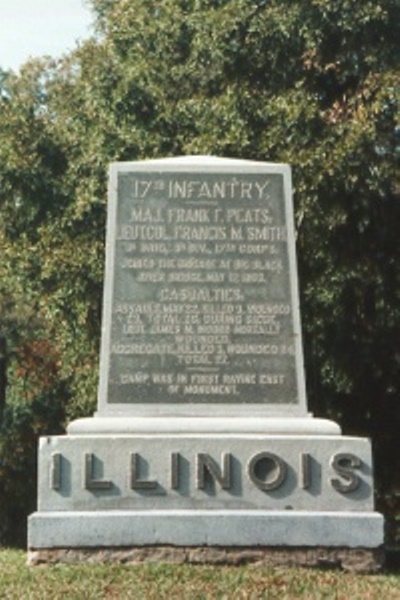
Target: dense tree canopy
(313, 83)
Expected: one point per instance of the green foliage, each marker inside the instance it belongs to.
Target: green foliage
(22, 425)
(52, 251)
(313, 83)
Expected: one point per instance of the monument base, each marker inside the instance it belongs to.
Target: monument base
(240, 424)
(359, 560)
(205, 528)
(204, 491)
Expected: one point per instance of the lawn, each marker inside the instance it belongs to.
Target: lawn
(86, 581)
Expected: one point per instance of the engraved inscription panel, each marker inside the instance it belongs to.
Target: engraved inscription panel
(202, 309)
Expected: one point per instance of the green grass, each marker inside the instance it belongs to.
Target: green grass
(19, 582)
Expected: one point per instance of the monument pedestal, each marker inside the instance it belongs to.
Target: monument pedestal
(202, 445)
(214, 488)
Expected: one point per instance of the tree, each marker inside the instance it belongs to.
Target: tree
(310, 83)
(49, 261)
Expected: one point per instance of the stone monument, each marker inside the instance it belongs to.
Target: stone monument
(202, 444)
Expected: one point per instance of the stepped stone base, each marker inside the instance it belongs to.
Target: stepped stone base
(359, 560)
(207, 492)
(198, 528)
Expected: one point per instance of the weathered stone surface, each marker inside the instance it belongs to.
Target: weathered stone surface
(198, 527)
(360, 560)
(202, 442)
(177, 425)
(254, 471)
(201, 302)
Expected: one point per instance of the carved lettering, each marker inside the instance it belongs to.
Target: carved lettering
(92, 483)
(260, 468)
(266, 470)
(55, 471)
(136, 483)
(305, 470)
(207, 466)
(203, 283)
(344, 465)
